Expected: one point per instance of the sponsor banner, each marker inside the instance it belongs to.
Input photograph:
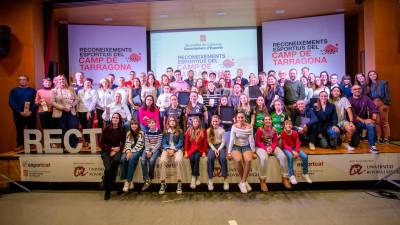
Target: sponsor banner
(315, 42)
(205, 50)
(100, 50)
(61, 168)
(322, 168)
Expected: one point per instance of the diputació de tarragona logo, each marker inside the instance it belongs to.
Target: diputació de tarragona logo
(135, 57)
(330, 49)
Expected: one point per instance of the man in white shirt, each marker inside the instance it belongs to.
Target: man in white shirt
(117, 107)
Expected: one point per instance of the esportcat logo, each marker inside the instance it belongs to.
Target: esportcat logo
(35, 165)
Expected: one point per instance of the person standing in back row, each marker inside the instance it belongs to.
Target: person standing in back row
(294, 90)
(21, 101)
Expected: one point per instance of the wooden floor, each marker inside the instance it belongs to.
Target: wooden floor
(361, 149)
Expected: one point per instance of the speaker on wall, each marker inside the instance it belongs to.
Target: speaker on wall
(5, 40)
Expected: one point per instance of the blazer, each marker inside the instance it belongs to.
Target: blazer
(59, 103)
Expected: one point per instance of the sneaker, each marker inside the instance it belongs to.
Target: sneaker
(242, 187)
(311, 146)
(347, 146)
(226, 185)
(162, 189)
(126, 186)
(307, 178)
(373, 150)
(131, 185)
(385, 141)
(179, 188)
(193, 182)
(293, 179)
(248, 187)
(146, 185)
(210, 185)
(197, 181)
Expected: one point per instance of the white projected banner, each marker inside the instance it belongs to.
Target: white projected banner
(315, 42)
(100, 50)
(205, 50)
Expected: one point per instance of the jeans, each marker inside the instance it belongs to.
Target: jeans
(303, 157)
(332, 138)
(355, 140)
(135, 114)
(211, 162)
(110, 168)
(162, 120)
(128, 167)
(241, 149)
(144, 128)
(195, 163)
(67, 122)
(263, 156)
(148, 165)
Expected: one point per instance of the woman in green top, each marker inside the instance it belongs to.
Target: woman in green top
(278, 116)
(259, 112)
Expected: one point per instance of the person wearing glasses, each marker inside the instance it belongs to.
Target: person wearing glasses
(362, 107)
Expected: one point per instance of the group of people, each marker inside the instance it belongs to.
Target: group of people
(214, 116)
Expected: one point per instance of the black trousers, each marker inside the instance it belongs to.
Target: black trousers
(85, 123)
(311, 136)
(46, 120)
(195, 163)
(99, 113)
(110, 168)
(22, 123)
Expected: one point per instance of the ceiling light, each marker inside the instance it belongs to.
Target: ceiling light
(164, 16)
(220, 13)
(280, 11)
(108, 19)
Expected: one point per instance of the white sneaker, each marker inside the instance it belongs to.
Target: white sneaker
(126, 186)
(193, 182)
(293, 179)
(210, 185)
(226, 185)
(131, 185)
(248, 187)
(197, 181)
(311, 146)
(348, 147)
(307, 178)
(242, 187)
